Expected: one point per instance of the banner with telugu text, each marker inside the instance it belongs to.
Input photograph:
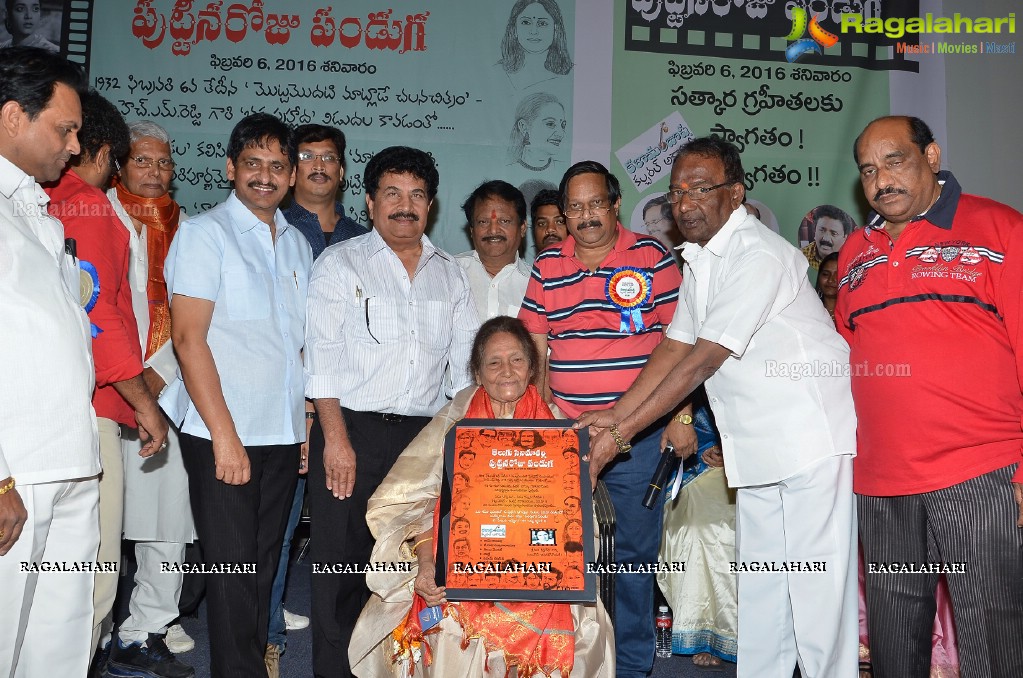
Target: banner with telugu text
(778, 79)
(485, 89)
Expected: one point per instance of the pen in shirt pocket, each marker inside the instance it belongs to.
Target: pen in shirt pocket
(295, 275)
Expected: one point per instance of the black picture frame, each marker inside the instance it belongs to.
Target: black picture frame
(526, 526)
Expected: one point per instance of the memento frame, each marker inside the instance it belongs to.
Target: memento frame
(517, 517)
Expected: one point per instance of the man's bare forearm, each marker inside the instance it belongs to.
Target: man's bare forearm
(664, 357)
(680, 381)
(136, 394)
(332, 421)
(199, 371)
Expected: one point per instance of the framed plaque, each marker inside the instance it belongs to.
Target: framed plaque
(517, 512)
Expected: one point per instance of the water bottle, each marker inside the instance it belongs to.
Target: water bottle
(663, 624)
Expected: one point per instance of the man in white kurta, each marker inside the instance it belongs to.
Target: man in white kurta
(157, 515)
(750, 327)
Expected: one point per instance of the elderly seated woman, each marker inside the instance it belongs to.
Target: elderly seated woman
(474, 638)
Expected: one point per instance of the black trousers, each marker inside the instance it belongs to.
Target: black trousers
(240, 524)
(339, 533)
(973, 523)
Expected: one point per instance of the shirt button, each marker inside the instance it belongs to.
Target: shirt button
(713, 400)
(285, 335)
(895, 264)
(724, 436)
(413, 331)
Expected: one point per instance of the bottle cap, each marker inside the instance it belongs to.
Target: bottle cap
(662, 608)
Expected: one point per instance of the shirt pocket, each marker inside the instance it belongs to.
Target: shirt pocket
(248, 296)
(434, 323)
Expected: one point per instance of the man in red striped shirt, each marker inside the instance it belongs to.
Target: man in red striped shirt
(600, 302)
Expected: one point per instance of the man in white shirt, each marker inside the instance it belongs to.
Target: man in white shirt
(49, 448)
(157, 515)
(496, 214)
(750, 326)
(237, 276)
(388, 314)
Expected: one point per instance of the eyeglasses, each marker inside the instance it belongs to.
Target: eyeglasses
(327, 158)
(655, 222)
(142, 162)
(697, 194)
(597, 208)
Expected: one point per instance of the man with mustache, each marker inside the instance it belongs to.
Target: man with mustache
(388, 314)
(317, 212)
(496, 214)
(831, 226)
(49, 454)
(548, 221)
(745, 305)
(601, 301)
(933, 279)
(237, 276)
(121, 398)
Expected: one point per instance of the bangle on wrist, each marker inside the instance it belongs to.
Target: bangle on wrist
(623, 447)
(420, 543)
(4, 489)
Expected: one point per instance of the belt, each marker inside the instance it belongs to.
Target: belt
(388, 417)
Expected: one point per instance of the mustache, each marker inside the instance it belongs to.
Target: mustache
(826, 243)
(890, 191)
(595, 223)
(411, 216)
(495, 238)
(318, 174)
(551, 237)
(256, 184)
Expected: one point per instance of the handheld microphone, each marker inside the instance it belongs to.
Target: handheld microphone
(669, 462)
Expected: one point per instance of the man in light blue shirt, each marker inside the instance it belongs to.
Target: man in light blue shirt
(237, 276)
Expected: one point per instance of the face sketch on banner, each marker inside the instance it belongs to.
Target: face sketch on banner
(538, 139)
(534, 48)
(32, 23)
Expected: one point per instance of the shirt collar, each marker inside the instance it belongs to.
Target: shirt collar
(719, 241)
(519, 263)
(244, 220)
(296, 211)
(941, 213)
(375, 244)
(13, 178)
(624, 241)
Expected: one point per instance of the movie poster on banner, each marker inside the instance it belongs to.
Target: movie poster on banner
(485, 87)
(780, 80)
(517, 512)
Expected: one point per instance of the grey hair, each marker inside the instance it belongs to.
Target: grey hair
(147, 128)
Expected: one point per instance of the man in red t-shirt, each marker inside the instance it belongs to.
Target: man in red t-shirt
(930, 302)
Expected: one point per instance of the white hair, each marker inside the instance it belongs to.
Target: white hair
(147, 128)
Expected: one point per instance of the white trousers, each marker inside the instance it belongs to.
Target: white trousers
(46, 617)
(111, 514)
(154, 600)
(809, 617)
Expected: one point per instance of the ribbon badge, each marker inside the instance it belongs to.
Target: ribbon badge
(628, 289)
(88, 288)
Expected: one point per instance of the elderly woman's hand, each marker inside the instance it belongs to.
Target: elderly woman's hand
(426, 586)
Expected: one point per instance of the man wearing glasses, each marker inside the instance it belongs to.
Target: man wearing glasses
(157, 515)
(600, 301)
(750, 325)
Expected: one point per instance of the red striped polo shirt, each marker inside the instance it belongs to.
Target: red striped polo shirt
(933, 321)
(593, 360)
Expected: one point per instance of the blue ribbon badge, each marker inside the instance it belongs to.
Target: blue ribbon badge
(628, 289)
(88, 280)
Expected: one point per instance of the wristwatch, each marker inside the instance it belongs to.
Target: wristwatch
(623, 447)
(683, 418)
